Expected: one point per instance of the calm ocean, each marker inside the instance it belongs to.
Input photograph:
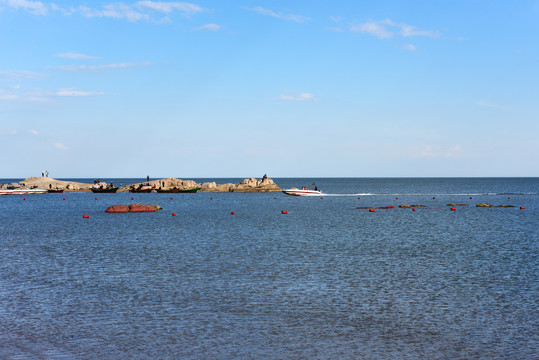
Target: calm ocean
(325, 281)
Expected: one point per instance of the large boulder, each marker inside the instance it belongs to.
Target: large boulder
(254, 185)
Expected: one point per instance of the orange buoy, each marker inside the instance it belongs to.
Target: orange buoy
(86, 216)
(413, 209)
(397, 198)
(64, 198)
(96, 198)
(453, 209)
(434, 197)
(131, 198)
(232, 213)
(522, 207)
(170, 198)
(211, 198)
(24, 199)
(358, 198)
(371, 210)
(284, 212)
(173, 214)
(470, 197)
(275, 198)
(321, 198)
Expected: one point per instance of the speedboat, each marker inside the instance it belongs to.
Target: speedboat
(22, 191)
(302, 192)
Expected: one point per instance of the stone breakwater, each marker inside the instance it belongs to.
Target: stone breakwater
(247, 185)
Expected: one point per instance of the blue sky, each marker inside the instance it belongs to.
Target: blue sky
(287, 88)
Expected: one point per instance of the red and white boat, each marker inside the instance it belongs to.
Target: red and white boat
(22, 191)
(302, 192)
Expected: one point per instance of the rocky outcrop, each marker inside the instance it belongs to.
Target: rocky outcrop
(133, 208)
(218, 188)
(247, 185)
(50, 183)
(164, 184)
(254, 185)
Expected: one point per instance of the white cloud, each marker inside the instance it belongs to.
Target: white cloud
(76, 56)
(140, 10)
(16, 94)
(168, 7)
(373, 28)
(41, 96)
(77, 93)
(409, 47)
(387, 28)
(209, 27)
(33, 132)
(60, 146)
(280, 15)
(300, 97)
(100, 67)
(20, 74)
(34, 7)
(115, 11)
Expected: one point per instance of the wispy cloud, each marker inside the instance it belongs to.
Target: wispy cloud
(280, 14)
(41, 96)
(77, 93)
(17, 132)
(115, 11)
(168, 7)
(209, 27)
(134, 12)
(373, 28)
(300, 97)
(408, 47)
(387, 28)
(76, 56)
(20, 74)
(34, 7)
(60, 146)
(100, 67)
(16, 94)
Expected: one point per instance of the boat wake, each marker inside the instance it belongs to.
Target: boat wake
(425, 194)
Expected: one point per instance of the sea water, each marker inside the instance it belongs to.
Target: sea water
(325, 281)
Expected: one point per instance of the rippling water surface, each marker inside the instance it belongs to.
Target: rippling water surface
(324, 281)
